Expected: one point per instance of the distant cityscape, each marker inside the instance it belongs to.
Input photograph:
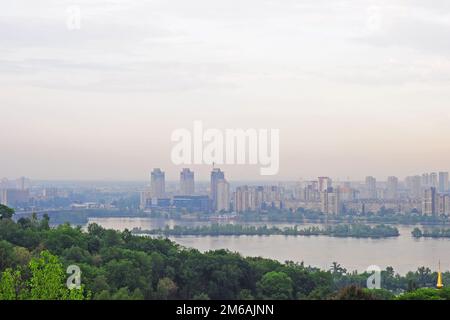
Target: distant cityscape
(427, 194)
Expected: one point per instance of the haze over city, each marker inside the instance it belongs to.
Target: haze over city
(356, 88)
(215, 157)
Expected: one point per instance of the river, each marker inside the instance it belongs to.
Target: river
(403, 253)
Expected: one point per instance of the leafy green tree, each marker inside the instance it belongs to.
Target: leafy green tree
(45, 222)
(275, 285)
(337, 269)
(354, 293)
(21, 256)
(166, 289)
(10, 283)
(201, 296)
(102, 295)
(416, 233)
(47, 281)
(5, 212)
(7, 257)
(246, 295)
(422, 294)
(122, 294)
(137, 295)
(380, 294)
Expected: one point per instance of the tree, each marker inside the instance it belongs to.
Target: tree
(275, 285)
(6, 255)
(21, 256)
(102, 295)
(416, 233)
(336, 268)
(5, 212)
(45, 222)
(166, 289)
(354, 293)
(246, 295)
(422, 294)
(201, 296)
(10, 285)
(122, 294)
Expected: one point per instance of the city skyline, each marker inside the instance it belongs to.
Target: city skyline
(428, 193)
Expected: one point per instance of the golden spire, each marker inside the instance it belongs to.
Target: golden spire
(439, 284)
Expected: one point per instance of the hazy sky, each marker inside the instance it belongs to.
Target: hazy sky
(356, 87)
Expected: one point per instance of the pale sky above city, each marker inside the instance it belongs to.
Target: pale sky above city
(355, 87)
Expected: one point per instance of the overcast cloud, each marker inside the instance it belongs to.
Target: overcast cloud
(356, 87)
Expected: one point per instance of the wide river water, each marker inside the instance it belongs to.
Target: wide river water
(404, 253)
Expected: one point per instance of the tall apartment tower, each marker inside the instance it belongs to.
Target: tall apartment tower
(158, 183)
(324, 183)
(248, 198)
(443, 181)
(216, 176)
(429, 202)
(187, 184)
(426, 180)
(145, 200)
(443, 206)
(434, 182)
(242, 199)
(222, 195)
(392, 188)
(331, 201)
(21, 183)
(371, 187)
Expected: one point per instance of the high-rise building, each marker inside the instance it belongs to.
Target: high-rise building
(158, 184)
(331, 201)
(216, 176)
(21, 183)
(443, 181)
(146, 200)
(429, 201)
(348, 193)
(392, 188)
(222, 195)
(187, 184)
(248, 198)
(443, 204)
(310, 192)
(324, 183)
(426, 180)
(434, 180)
(242, 199)
(371, 187)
